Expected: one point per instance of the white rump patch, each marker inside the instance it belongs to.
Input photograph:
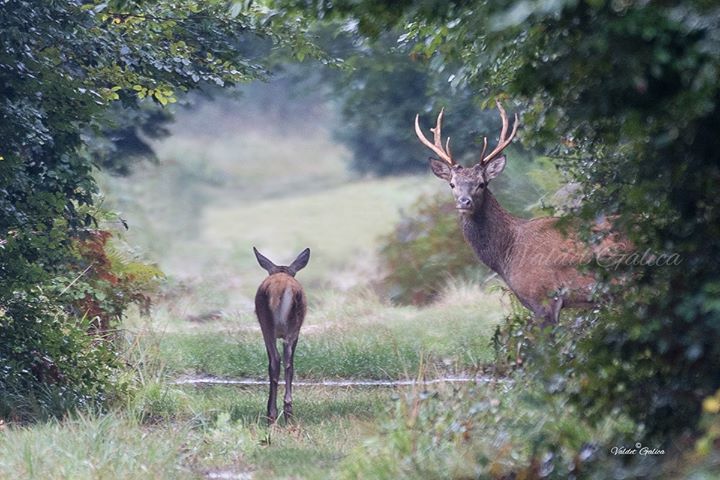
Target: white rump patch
(280, 314)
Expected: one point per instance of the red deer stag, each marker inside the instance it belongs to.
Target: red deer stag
(280, 306)
(538, 262)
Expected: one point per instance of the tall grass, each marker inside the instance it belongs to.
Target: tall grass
(175, 433)
(480, 431)
(92, 447)
(361, 337)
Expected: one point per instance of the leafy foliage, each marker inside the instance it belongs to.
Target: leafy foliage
(477, 431)
(64, 65)
(625, 96)
(108, 283)
(49, 362)
(379, 96)
(378, 92)
(123, 140)
(640, 141)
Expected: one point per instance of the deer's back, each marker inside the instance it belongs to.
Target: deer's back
(280, 305)
(545, 260)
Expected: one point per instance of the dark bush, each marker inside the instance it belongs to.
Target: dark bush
(425, 250)
(50, 364)
(56, 351)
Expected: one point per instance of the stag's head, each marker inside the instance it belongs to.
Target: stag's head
(468, 184)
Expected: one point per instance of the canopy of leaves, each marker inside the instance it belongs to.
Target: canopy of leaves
(379, 99)
(63, 65)
(625, 96)
(378, 93)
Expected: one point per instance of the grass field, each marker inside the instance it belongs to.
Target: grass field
(209, 430)
(363, 339)
(219, 191)
(215, 194)
(186, 431)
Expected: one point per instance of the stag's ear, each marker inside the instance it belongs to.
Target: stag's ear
(441, 169)
(300, 262)
(494, 167)
(264, 261)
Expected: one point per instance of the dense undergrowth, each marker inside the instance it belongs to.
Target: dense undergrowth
(528, 423)
(57, 339)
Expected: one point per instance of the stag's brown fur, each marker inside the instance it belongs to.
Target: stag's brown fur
(534, 258)
(538, 262)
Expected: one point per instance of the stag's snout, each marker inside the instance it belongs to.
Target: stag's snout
(464, 204)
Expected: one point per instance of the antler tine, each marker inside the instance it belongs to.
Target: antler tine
(436, 147)
(482, 154)
(503, 117)
(503, 141)
(437, 131)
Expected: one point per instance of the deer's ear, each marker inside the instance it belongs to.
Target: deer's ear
(300, 262)
(264, 261)
(441, 169)
(494, 167)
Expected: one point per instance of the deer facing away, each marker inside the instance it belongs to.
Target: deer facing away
(280, 306)
(537, 262)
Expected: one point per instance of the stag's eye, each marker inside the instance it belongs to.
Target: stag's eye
(452, 185)
(481, 185)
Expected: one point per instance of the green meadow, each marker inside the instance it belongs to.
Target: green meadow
(197, 213)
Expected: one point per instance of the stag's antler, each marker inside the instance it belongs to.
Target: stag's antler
(437, 147)
(503, 141)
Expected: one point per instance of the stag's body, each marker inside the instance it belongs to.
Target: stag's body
(280, 305)
(538, 262)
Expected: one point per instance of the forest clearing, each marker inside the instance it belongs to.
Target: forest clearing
(161, 160)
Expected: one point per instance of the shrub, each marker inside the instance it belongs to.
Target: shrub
(54, 353)
(494, 431)
(424, 250)
(49, 362)
(107, 283)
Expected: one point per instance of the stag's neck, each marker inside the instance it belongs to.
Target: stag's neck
(492, 231)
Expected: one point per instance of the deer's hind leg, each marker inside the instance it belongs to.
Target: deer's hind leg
(555, 306)
(274, 376)
(288, 360)
(267, 326)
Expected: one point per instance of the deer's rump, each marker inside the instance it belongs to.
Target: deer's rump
(280, 303)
